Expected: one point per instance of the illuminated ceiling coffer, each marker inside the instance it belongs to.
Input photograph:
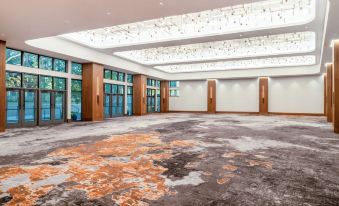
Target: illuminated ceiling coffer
(255, 16)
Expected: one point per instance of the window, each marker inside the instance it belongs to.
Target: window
(30, 81)
(30, 60)
(174, 84)
(158, 83)
(46, 63)
(59, 65)
(129, 101)
(76, 98)
(76, 68)
(13, 57)
(121, 89)
(13, 80)
(129, 78)
(115, 89)
(59, 83)
(108, 88)
(45, 82)
(121, 77)
(115, 75)
(107, 74)
(174, 93)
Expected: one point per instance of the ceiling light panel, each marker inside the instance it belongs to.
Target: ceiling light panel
(241, 64)
(267, 14)
(300, 42)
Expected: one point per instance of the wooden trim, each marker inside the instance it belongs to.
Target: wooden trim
(263, 95)
(335, 68)
(139, 94)
(92, 92)
(325, 94)
(296, 114)
(164, 96)
(2, 86)
(211, 96)
(329, 91)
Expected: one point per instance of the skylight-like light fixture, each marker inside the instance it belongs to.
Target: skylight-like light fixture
(300, 42)
(267, 14)
(241, 64)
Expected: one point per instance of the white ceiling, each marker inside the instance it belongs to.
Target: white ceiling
(32, 19)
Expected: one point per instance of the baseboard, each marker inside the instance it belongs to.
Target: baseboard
(199, 112)
(236, 112)
(296, 114)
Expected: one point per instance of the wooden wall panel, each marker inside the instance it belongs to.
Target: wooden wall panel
(329, 92)
(325, 97)
(335, 106)
(92, 92)
(2, 86)
(164, 96)
(263, 95)
(139, 95)
(211, 96)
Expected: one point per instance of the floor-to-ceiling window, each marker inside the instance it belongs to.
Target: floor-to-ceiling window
(151, 94)
(114, 100)
(34, 99)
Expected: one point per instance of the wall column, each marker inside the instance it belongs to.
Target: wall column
(329, 92)
(2, 86)
(263, 95)
(335, 105)
(92, 92)
(211, 96)
(164, 96)
(139, 95)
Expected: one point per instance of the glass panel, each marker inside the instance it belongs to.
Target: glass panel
(120, 109)
(45, 82)
(13, 80)
(174, 84)
(46, 63)
(30, 81)
(129, 78)
(76, 105)
(115, 75)
(129, 90)
(59, 65)
(13, 57)
(46, 106)
(76, 68)
(76, 85)
(108, 88)
(129, 105)
(30, 60)
(114, 105)
(29, 115)
(115, 89)
(13, 102)
(107, 74)
(107, 105)
(121, 77)
(158, 83)
(121, 89)
(59, 106)
(59, 83)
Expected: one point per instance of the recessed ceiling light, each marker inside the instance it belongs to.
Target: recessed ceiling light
(254, 16)
(108, 13)
(281, 44)
(241, 64)
(161, 3)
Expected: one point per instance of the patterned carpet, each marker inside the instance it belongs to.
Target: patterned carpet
(173, 159)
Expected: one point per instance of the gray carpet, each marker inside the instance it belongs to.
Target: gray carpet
(173, 159)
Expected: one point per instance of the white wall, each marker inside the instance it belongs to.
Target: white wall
(296, 94)
(241, 95)
(193, 97)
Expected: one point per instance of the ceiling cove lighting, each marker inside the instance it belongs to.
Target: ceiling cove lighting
(280, 44)
(241, 64)
(267, 14)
